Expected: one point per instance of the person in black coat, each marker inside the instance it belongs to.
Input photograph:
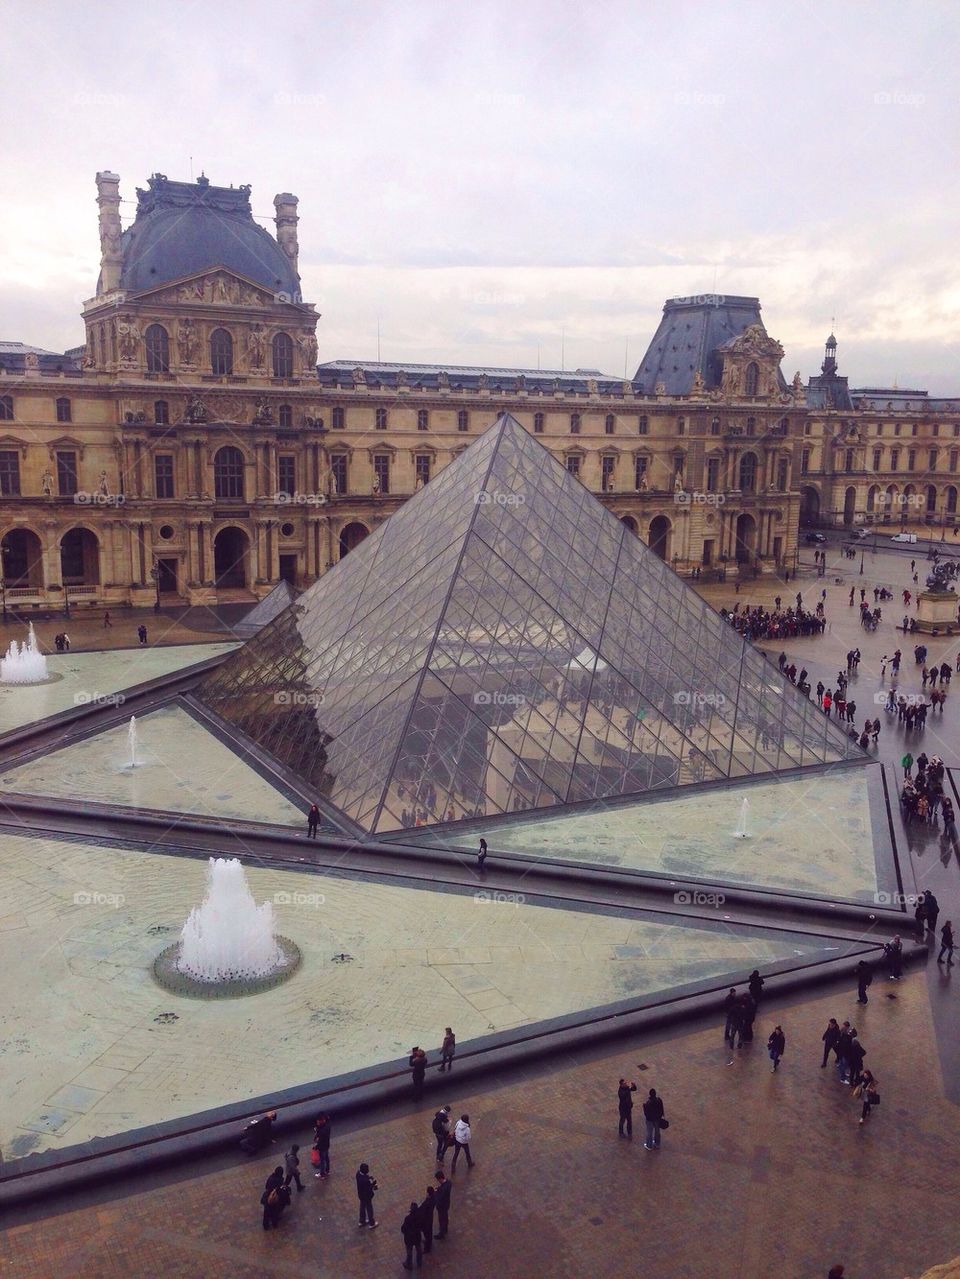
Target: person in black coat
(932, 911)
(855, 1055)
(426, 1211)
(418, 1070)
(442, 1203)
(271, 1199)
(313, 821)
(652, 1114)
(748, 1010)
(441, 1130)
(258, 1133)
(410, 1229)
(730, 1015)
(625, 1103)
(864, 975)
(776, 1045)
(831, 1039)
(366, 1189)
(322, 1128)
(755, 985)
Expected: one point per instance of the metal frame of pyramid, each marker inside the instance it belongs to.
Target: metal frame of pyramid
(504, 643)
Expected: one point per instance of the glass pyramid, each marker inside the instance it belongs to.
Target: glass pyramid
(504, 643)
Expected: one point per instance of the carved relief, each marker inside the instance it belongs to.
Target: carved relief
(128, 339)
(308, 350)
(187, 342)
(256, 346)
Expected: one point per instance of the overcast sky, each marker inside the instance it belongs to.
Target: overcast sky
(486, 177)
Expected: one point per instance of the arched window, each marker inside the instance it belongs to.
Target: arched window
(161, 412)
(537, 423)
(285, 415)
(64, 412)
(463, 420)
(283, 355)
(338, 419)
(951, 500)
(381, 420)
(228, 472)
(609, 424)
(748, 472)
(751, 379)
(6, 408)
(221, 352)
(158, 349)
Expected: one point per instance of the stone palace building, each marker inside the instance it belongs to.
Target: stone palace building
(194, 449)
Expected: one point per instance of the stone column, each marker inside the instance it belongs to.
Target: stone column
(206, 543)
(51, 555)
(194, 577)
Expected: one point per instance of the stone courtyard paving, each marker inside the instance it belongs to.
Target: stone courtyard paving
(182, 768)
(759, 1174)
(86, 1047)
(808, 835)
(85, 676)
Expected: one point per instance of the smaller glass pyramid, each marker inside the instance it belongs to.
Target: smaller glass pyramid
(504, 643)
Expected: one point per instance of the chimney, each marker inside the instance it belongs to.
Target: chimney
(286, 207)
(111, 257)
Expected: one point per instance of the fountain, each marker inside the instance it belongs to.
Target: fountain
(24, 663)
(132, 739)
(228, 945)
(742, 832)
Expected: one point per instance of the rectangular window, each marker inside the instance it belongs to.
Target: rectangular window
(609, 424)
(877, 458)
(879, 428)
(807, 429)
(573, 465)
(714, 426)
(66, 473)
(380, 420)
(713, 474)
(463, 420)
(338, 468)
(339, 419)
(64, 413)
(381, 473)
(932, 460)
(954, 458)
(423, 419)
(936, 429)
(911, 459)
(538, 423)
(642, 424)
(607, 468)
(682, 426)
(161, 412)
(848, 461)
(163, 474)
(896, 429)
(574, 423)
(805, 462)
(422, 463)
(782, 472)
(9, 473)
(914, 429)
(956, 430)
(894, 459)
(639, 472)
(287, 474)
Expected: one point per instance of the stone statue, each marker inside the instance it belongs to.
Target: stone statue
(443, 379)
(660, 388)
(521, 382)
(678, 481)
(196, 412)
(325, 485)
(221, 290)
(187, 342)
(46, 484)
(697, 381)
(591, 386)
(192, 292)
(128, 340)
(643, 483)
(359, 377)
(262, 415)
(256, 346)
(102, 488)
(308, 349)
(401, 377)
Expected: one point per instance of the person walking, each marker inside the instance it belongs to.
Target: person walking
(425, 1213)
(442, 1202)
(864, 976)
(321, 1144)
(906, 764)
(894, 950)
(847, 1033)
(418, 1069)
(946, 943)
(755, 985)
(142, 633)
(447, 1050)
(870, 1097)
(292, 1163)
(831, 1040)
(855, 1055)
(410, 1229)
(272, 1199)
(441, 1130)
(66, 641)
(932, 907)
(653, 1118)
(920, 915)
(776, 1045)
(481, 854)
(366, 1189)
(107, 624)
(730, 1005)
(461, 1141)
(313, 821)
(625, 1103)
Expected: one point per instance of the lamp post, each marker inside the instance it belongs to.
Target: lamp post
(861, 563)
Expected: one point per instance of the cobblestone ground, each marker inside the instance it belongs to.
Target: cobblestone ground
(759, 1174)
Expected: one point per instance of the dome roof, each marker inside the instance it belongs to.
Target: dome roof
(182, 228)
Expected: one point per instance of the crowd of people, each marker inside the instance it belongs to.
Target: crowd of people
(759, 623)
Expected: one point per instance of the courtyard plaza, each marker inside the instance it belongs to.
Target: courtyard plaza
(739, 1186)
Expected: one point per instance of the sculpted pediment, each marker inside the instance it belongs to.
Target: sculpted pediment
(217, 286)
(754, 343)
